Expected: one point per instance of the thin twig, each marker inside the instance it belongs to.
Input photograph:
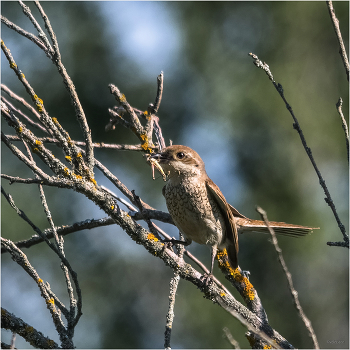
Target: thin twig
(339, 106)
(342, 49)
(25, 104)
(13, 340)
(258, 332)
(294, 293)
(80, 114)
(27, 35)
(42, 35)
(133, 117)
(118, 147)
(158, 100)
(18, 111)
(60, 246)
(119, 184)
(297, 127)
(47, 156)
(174, 283)
(152, 111)
(230, 338)
(50, 181)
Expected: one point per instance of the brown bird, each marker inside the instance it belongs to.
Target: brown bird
(200, 210)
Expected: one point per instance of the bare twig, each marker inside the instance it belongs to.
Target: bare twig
(174, 283)
(261, 333)
(342, 49)
(59, 243)
(25, 104)
(339, 106)
(130, 110)
(42, 35)
(230, 338)
(158, 100)
(297, 127)
(121, 200)
(119, 184)
(30, 121)
(27, 35)
(13, 340)
(294, 293)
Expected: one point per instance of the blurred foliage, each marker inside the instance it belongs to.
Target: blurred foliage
(216, 101)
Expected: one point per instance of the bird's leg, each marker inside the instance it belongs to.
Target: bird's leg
(206, 278)
(177, 241)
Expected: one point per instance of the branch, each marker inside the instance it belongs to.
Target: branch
(29, 333)
(342, 49)
(20, 258)
(25, 104)
(292, 290)
(297, 127)
(63, 231)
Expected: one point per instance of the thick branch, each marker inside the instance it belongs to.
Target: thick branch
(29, 333)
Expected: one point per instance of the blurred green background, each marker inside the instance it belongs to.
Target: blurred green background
(216, 101)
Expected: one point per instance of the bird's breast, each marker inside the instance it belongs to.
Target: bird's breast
(194, 212)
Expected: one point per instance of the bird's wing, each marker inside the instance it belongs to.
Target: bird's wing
(230, 223)
(235, 212)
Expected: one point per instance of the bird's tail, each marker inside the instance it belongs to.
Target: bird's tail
(282, 228)
(232, 254)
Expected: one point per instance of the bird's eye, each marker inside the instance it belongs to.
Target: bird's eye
(180, 155)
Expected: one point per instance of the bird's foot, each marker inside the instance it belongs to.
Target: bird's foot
(246, 274)
(168, 244)
(207, 278)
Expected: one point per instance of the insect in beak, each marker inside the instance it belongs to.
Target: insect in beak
(155, 164)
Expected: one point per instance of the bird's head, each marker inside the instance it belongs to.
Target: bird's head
(180, 161)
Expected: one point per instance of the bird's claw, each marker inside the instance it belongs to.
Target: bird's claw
(246, 274)
(207, 278)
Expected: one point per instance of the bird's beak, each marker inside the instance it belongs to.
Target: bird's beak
(155, 160)
(159, 157)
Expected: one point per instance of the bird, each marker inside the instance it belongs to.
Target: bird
(200, 210)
